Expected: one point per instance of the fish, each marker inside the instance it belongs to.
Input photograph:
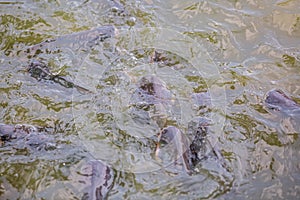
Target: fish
(151, 100)
(100, 179)
(40, 71)
(284, 106)
(180, 147)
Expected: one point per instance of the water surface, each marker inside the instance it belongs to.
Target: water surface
(235, 51)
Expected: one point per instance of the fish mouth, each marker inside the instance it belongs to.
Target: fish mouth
(277, 100)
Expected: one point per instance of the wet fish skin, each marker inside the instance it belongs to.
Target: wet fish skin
(281, 104)
(99, 177)
(152, 90)
(198, 128)
(9, 132)
(173, 136)
(278, 100)
(151, 100)
(81, 39)
(23, 136)
(40, 71)
(101, 180)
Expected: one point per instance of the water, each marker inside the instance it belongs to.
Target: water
(234, 50)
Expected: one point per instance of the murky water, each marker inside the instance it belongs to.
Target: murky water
(232, 51)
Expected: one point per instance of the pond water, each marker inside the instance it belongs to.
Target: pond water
(230, 52)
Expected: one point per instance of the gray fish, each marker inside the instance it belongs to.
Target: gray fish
(81, 39)
(152, 90)
(278, 100)
(180, 147)
(198, 130)
(24, 136)
(96, 177)
(41, 71)
(100, 181)
(279, 103)
(152, 100)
